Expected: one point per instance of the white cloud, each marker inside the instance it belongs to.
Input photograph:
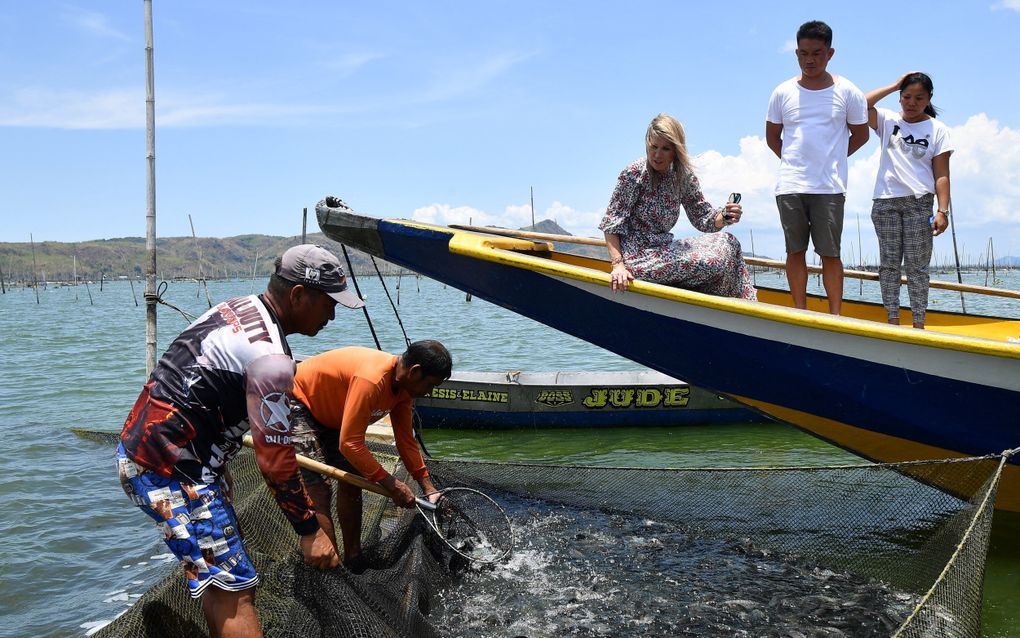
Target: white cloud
(1007, 4)
(450, 83)
(513, 216)
(788, 47)
(350, 63)
(32, 107)
(444, 214)
(125, 108)
(92, 23)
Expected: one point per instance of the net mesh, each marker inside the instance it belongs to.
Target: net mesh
(909, 540)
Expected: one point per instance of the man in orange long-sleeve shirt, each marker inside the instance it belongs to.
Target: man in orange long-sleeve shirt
(337, 395)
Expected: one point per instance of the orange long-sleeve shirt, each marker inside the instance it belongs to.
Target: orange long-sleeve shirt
(350, 388)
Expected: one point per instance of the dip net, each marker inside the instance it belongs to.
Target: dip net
(863, 550)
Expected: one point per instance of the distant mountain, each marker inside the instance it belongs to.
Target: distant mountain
(176, 258)
(1008, 261)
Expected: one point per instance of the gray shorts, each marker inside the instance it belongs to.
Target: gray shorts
(819, 216)
(316, 441)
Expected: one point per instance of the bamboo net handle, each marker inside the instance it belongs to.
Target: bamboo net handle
(332, 472)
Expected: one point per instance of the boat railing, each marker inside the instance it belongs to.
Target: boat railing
(752, 261)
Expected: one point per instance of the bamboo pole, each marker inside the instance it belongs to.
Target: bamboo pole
(754, 261)
(150, 197)
(751, 231)
(329, 470)
(304, 225)
(860, 251)
(467, 296)
(991, 251)
(956, 256)
(3, 286)
(198, 248)
(532, 207)
(74, 274)
(254, 269)
(35, 282)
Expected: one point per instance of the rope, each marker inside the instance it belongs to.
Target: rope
(158, 298)
(986, 502)
(414, 425)
(396, 314)
(357, 289)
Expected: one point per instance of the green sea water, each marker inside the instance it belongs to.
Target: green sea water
(78, 553)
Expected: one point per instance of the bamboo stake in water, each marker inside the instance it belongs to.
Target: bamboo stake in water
(150, 197)
(3, 286)
(467, 296)
(198, 248)
(959, 277)
(90, 292)
(254, 269)
(991, 251)
(74, 274)
(754, 275)
(35, 282)
(132, 282)
(532, 208)
(304, 225)
(860, 250)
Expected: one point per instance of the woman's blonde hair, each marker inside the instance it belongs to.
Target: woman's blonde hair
(670, 129)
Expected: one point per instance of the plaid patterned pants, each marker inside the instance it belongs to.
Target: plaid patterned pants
(904, 237)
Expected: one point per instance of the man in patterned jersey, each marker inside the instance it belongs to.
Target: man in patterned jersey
(230, 370)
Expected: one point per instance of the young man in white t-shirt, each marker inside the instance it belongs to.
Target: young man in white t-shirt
(814, 122)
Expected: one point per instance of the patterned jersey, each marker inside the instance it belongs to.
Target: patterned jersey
(230, 368)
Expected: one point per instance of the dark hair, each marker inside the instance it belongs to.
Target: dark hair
(925, 82)
(815, 30)
(277, 284)
(432, 356)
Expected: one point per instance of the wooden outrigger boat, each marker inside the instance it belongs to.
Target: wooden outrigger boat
(884, 392)
(515, 399)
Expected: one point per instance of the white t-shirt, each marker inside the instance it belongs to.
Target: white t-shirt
(907, 152)
(815, 134)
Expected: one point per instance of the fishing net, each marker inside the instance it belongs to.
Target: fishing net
(869, 550)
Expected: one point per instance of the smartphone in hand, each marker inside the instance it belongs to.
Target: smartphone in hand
(734, 198)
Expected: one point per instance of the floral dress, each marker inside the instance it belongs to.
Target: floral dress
(642, 214)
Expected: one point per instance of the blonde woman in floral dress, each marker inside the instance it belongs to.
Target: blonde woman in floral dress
(644, 207)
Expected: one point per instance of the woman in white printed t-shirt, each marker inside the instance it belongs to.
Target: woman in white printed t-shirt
(913, 172)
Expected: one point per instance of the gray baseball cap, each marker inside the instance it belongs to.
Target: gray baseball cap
(315, 267)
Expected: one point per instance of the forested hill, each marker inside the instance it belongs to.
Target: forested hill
(176, 257)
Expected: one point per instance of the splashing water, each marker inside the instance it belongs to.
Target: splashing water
(582, 573)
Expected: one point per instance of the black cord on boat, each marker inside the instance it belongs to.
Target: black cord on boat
(414, 423)
(354, 279)
(396, 314)
(415, 418)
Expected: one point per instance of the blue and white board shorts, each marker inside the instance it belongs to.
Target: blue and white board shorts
(197, 523)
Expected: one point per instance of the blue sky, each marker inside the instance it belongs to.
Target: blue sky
(453, 110)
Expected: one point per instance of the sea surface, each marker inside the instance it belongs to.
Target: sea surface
(78, 553)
